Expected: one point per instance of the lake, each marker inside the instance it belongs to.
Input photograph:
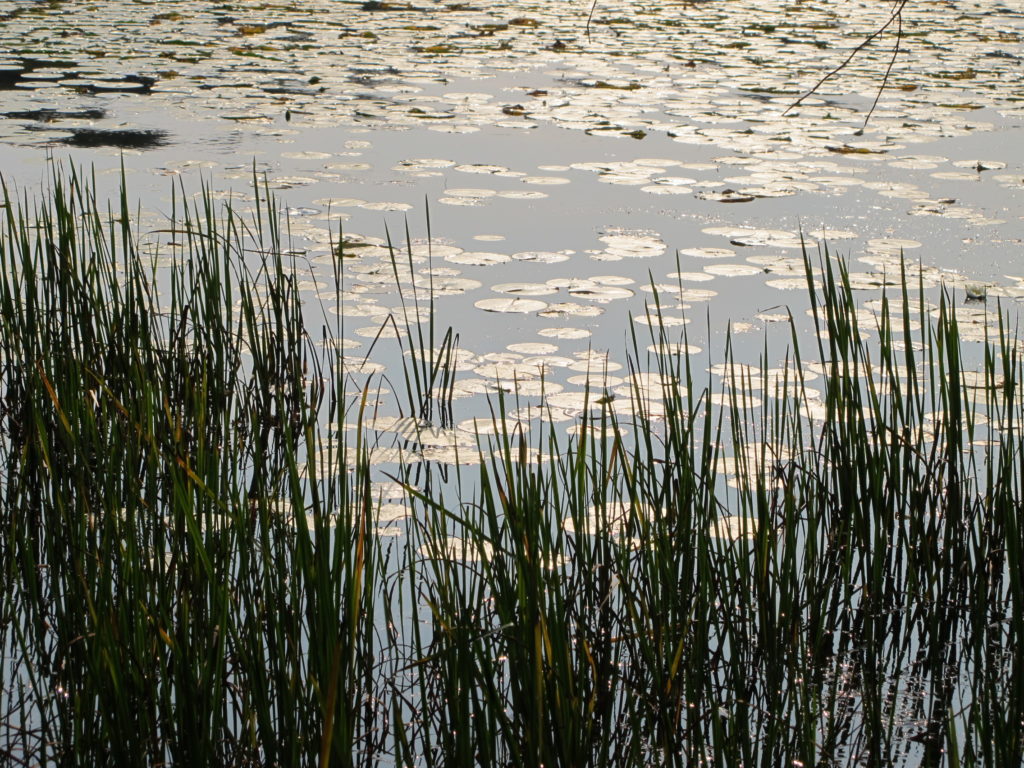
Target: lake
(581, 193)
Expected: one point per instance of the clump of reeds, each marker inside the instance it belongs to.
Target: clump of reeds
(177, 586)
(192, 571)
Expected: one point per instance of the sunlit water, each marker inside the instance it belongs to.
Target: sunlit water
(568, 175)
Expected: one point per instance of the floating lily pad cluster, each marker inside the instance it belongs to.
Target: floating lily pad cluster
(707, 73)
(718, 79)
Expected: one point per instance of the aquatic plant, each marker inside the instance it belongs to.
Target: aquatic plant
(203, 563)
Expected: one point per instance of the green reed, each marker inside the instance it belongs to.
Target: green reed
(193, 572)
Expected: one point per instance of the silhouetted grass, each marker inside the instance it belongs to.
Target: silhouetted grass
(193, 573)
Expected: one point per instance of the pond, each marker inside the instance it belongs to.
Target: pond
(492, 117)
(659, 140)
(579, 192)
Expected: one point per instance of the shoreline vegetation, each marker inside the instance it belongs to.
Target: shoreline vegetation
(208, 559)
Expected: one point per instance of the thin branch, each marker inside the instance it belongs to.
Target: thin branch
(888, 71)
(896, 17)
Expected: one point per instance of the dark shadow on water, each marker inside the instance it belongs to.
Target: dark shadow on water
(9, 75)
(124, 139)
(13, 75)
(53, 115)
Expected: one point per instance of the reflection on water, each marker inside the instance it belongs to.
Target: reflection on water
(52, 115)
(559, 198)
(124, 139)
(570, 180)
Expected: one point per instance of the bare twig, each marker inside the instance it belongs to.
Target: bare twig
(888, 70)
(896, 17)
